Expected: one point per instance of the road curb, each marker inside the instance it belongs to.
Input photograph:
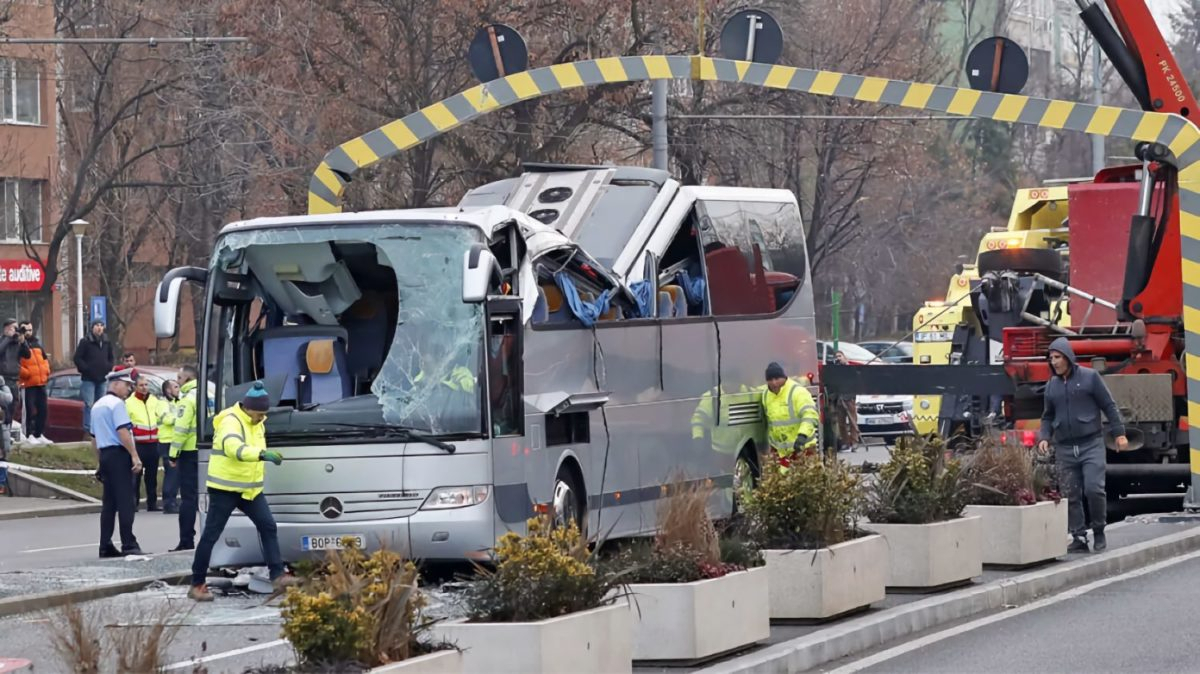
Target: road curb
(27, 484)
(48, 600)
(81, 509)
(858, 635)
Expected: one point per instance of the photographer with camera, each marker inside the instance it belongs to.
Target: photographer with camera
(12, 349)
(35, 374)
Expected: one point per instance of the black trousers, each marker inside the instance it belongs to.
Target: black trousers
(116, 466)
(36, 408)
(189, 479)
(148, 453)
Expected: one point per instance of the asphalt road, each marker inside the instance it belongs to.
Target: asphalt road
(1143, 621)
(55, 541)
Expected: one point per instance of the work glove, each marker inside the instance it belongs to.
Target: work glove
(272, 456)
(801, 442)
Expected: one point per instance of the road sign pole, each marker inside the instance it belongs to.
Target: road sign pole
(496, 50)
(837, 317)
(754, 26)
(659, 123)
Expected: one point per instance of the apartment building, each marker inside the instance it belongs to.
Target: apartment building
(28, 170)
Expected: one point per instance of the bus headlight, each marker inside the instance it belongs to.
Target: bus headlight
(444, 498)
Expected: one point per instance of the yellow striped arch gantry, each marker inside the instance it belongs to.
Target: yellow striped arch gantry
(328, 182)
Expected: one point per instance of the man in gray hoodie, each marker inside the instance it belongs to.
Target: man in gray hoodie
(1075, 397)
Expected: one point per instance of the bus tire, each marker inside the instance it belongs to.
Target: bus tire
(569, 499)
(745, 475)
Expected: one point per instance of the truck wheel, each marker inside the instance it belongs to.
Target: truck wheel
(1023, 260)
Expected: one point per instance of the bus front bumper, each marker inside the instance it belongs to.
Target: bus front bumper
(452, 535)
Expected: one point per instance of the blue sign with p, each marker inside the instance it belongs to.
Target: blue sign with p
(99, 311)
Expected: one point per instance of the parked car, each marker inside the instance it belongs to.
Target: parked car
(892, 352)
(879, 416)
(884, 416)
(855, 354)
(64, 420)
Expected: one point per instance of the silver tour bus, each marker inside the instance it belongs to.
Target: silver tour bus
(438, 376)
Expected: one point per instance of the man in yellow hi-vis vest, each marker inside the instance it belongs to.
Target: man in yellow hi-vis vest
(182, 455)
(236, 471)
(710, 426)
(792, 417)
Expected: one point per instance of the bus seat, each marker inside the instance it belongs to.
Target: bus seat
(677, 298)
(730, 284)
(556, 307)
(327, 378)
(541, 312)
(366, 325)
(281, 349)
(666, 308)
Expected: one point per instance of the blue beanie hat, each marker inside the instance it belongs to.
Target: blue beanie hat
(256, 399)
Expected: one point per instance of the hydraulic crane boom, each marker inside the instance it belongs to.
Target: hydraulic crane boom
(1140, 55)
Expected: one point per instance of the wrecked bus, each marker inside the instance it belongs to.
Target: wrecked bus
(437, 376)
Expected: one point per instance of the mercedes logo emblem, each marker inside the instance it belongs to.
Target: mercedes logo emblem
(331, 507)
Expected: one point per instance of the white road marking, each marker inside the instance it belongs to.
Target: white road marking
(227, 654)
(927, 640)
(61, 547)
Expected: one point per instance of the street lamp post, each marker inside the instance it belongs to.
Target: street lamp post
(79, 227)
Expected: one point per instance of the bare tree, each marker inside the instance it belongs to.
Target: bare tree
(108, 105)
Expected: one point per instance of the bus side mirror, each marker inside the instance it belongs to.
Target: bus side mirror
(480, 270)
(166, 300)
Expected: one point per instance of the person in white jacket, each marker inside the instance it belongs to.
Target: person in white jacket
(6, 398)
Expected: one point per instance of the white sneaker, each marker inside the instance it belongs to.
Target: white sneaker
(43, 440)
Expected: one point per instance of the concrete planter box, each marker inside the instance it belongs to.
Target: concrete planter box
(692, 621)
(933, 555)
(1021, 535)
(820, 584)
(598, 641)
(441, 662)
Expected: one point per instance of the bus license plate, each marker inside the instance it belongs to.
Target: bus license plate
(328, 542)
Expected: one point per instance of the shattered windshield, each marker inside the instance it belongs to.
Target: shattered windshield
(356, 327)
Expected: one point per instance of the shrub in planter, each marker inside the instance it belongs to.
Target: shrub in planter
(547, 573)
(1024, 517)
(1007, 474)
(687, 546)
(545, 603)
(358, 610)
(692, 602)
(819, 564)
(917, 504)
(918, 485)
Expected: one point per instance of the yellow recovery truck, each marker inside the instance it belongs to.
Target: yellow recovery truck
(1038, 220)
